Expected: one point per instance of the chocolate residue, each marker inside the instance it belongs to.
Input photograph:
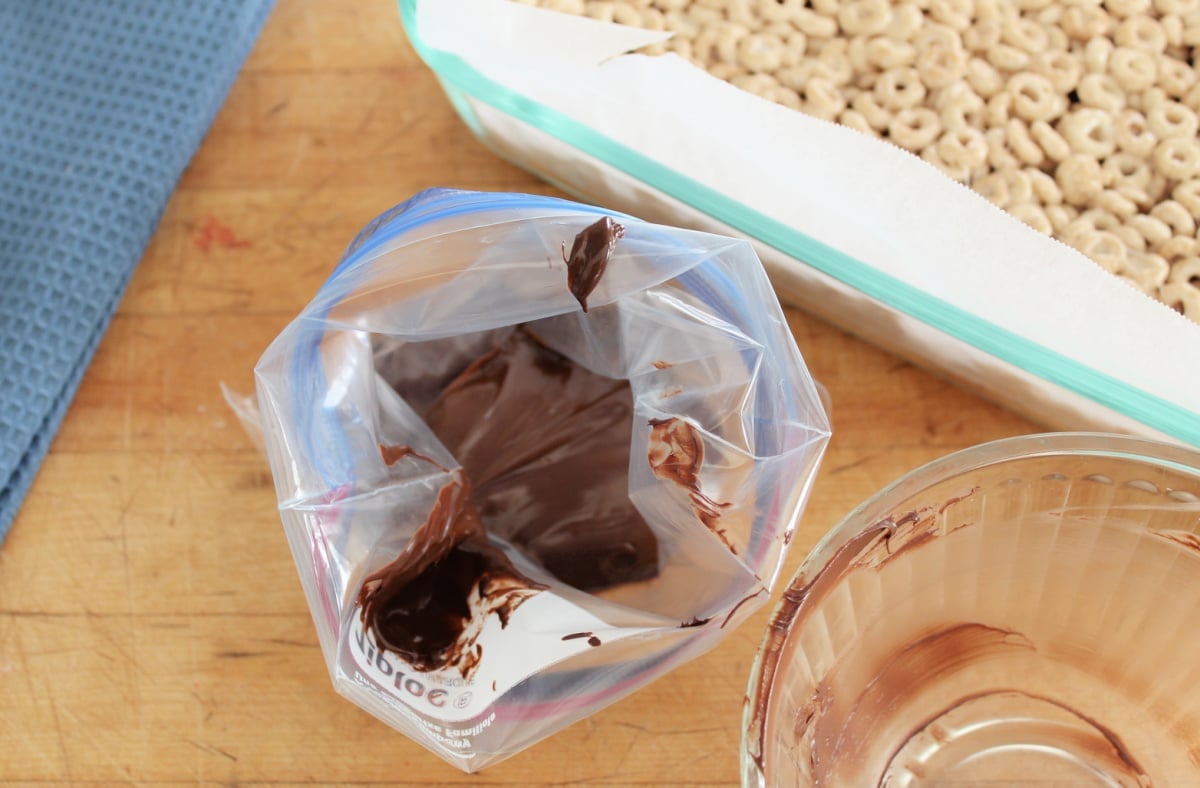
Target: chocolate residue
(957, 499)
(592, 640)
(741, 602)
(447, 577)
(1118, 751)
(393, 454)
(546, 444)
(695, 622)
(677, 454)
(1185, 538)
(589, 257)
(828, 716)
(847, 557)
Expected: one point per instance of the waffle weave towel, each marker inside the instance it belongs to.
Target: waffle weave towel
(102, 105)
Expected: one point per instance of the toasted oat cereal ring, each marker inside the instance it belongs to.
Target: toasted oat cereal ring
(1007, 57)
(760, 52)
(983, 35)
(1132, 134)
(1154, 230)
(913, 128)
(983, 77)
(783, 95)
(1022, 144)
(1182, 297)
(1034, 98)
(626, 14)
(775, 10)
(939, 66)
(1115, 203)
(1132, 239)
(1141, 32)
(906, 21)
(1060, 216)
(1127, 169)
(1101, 91)
(999, 156)
(1147, 269)
(1103, 248)
(1101, 219)
(1033, 216)
(600, 10)
(727, 71)
(1178, 249)
(1175, 216)
(1060, 69)
(1052, 143)
(1025, 34)
(653, 19)
(758, 84)
(1139, 196)
(957, 172)
(1175, 77)
(1095, 54)
(729, 35)
(1177, 7)
(814, 25)
(853, 119)
(1132, 69)
(1045, 189)
(1177, 158)
(1187, 194)
(992, 187)
(1172, 119)
(822, 99)
(1085, 22)
(1020, 185)
(955, 14)
(1089, 131)
(998, 109)
(878, 116)
(885, 53)
(1186, 270)
(864, 17)
(899, 88)
(935, 34)
(963, 148)
(1123, 9)
(958, 105)
(1079, 177)
(577, 7)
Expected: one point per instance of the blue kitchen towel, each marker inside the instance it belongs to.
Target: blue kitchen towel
(102, 105)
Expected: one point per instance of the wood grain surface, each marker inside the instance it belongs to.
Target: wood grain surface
(152, 627)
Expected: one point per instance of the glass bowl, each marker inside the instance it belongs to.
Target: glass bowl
(1020, 612)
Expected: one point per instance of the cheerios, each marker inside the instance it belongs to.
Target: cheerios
(1079, 117)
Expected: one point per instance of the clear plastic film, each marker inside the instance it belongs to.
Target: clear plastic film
(421, 295)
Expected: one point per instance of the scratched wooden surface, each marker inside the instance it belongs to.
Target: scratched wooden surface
(152, 628)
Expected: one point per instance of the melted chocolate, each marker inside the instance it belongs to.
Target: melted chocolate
(677, 455)
(589, 256)
(546, 445)
(420, 605)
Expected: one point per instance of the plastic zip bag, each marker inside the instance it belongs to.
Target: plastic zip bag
(408, 451)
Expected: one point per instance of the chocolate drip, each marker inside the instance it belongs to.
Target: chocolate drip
(589, 256)
(677, 455)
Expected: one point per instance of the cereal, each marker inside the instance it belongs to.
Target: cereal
(1078, 117)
